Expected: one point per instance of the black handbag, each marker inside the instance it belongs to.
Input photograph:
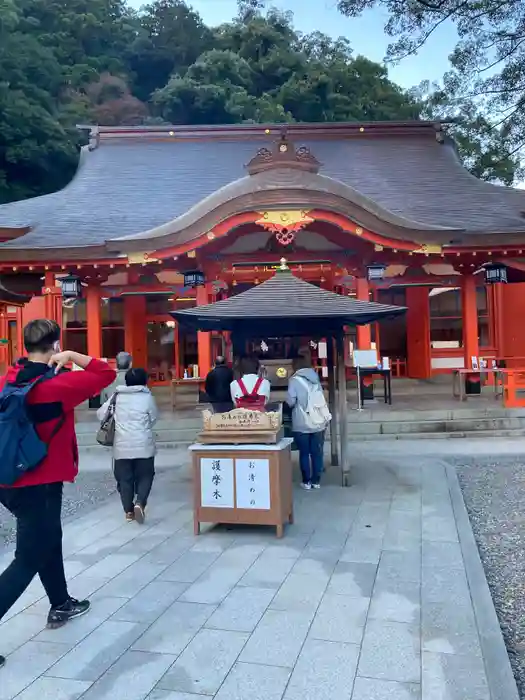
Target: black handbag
(106, 432)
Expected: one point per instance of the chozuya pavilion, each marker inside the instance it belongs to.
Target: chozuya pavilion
(159, 219)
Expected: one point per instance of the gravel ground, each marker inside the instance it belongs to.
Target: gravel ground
(90, 488)
(94, 485)
(494, 493)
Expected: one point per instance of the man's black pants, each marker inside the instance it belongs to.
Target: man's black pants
(38, 512)
(134, 478)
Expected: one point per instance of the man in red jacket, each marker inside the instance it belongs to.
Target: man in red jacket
(36, 498)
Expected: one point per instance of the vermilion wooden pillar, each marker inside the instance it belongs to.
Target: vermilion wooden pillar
(364, 335)
(135, 339)
(4, 335)
(418, 333)
(94, 322)
(52, 299)
(470, 319)
(203, 338)
(496, 306)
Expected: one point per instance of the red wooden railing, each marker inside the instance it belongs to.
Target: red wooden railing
(514, 388)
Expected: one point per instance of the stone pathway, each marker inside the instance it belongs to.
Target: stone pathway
(365, 598)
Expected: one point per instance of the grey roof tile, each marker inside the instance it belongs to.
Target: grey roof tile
(289, 300)
(125, 187)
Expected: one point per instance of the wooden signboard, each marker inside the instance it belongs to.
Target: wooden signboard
(244, 484)
(241, 425)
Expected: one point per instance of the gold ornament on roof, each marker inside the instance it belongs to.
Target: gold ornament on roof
(283, 154)
(284, 224)
(429, 249)
(140, 258)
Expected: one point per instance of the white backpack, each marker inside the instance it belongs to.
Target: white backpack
(316, 415)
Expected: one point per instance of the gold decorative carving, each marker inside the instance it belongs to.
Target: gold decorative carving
(191, 254)
(141, 258)
(210, 235)
(378, 248)
(291, 220)
(429, 249)
(283, 154)
(284, 224)
(359, 231)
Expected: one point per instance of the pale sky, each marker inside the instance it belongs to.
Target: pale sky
(365, 34)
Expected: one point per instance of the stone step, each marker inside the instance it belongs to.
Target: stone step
(475, 434)
(364, 438)
(87, 421)
(437, 426)
(357, 431)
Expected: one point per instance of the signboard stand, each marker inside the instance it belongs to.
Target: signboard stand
(243, 484)
(364, 359)
(359, 401)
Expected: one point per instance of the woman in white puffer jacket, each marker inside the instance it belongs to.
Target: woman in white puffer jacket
(134, 443)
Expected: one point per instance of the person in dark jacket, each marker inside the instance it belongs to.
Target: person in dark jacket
(218, 386)
(36, 498)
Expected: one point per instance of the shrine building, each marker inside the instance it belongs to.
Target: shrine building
(164, 218)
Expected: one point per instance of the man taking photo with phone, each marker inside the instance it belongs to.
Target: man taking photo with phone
(39, 453)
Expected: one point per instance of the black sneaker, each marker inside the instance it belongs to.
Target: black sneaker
(73, 608)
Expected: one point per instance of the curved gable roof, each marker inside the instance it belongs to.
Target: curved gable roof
(128, 186)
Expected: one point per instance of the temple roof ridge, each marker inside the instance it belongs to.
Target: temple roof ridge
(126, 187)
(99, 133)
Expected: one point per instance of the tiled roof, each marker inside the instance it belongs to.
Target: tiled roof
(127, 186)
(285, 299)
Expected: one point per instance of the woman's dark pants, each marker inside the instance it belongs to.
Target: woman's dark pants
(134, 479)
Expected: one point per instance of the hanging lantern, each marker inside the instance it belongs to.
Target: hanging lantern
(194, 278)
(375, 272)
(495, 273)
(71, 287)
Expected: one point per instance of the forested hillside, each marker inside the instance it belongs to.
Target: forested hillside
(64, 62)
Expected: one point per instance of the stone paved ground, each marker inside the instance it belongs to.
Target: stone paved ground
(366, 598)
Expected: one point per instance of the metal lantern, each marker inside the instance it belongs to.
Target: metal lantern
(375, 272)
(71, 287)
(194, 278)
(495, 273)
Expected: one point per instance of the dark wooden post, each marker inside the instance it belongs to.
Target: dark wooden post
(343, 410)
(332, 401)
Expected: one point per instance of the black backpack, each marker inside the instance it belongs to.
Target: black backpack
(21, 449)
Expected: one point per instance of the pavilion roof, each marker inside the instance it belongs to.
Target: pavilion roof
(144, 182)
(285, 305)
(12, 298)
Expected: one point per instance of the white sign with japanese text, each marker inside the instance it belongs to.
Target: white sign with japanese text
(216, 482)
(252, 482)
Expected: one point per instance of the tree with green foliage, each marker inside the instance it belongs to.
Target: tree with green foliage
(485, 88)
(170, 38)
(64, 63)
(263, 70)
(49, 53)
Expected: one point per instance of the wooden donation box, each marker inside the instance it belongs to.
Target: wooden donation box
(242, 471)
